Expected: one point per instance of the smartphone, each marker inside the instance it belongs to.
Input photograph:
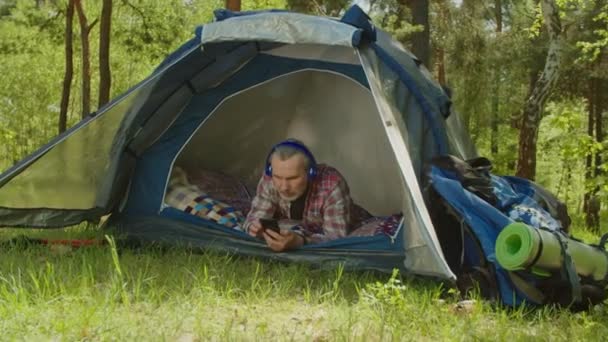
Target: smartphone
(271, 224)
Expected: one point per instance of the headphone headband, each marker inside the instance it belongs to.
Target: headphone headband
(312, 167)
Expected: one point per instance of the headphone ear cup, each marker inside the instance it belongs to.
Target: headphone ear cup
(269, 170)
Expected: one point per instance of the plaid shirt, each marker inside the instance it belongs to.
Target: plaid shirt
(327, 210)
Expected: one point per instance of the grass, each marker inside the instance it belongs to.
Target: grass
(104, 293)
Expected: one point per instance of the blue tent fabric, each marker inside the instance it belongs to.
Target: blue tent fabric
(487, 221)
(154, 165)
(516, 200)
(379, 253)
(356, 17)
(430, 116)
(379, 242)
(191, 44)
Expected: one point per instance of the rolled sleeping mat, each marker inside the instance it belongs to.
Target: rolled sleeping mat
(520, 246)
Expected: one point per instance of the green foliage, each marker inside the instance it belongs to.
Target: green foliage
(331, 8)
(395, 18)
(592, 46)
(29, 92)
(565, 144)
(32, 56)
(534, 31)
(251, 5)
(392, 293)
(484, 66)
(491, 74)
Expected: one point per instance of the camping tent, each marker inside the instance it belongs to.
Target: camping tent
(357, 98)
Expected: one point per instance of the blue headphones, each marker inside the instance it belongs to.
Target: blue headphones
(312, 169)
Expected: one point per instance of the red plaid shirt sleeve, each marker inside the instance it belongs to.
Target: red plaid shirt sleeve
(336, 215)
(263, 204)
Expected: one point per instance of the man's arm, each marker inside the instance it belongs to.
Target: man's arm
(262, 205)
(336, 216)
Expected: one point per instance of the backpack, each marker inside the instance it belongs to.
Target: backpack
(469, 208)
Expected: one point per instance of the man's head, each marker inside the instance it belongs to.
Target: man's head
(290, 169)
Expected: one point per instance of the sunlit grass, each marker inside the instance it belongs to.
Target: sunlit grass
(109, 293)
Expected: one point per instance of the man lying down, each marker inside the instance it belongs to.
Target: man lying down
(297, 202)
(311, 202)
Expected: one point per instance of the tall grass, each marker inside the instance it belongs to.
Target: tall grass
(109, 293)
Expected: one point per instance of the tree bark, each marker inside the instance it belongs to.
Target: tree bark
(496, 92)
(532, 111)
(233, 5)
(105, 74)
(439, 49)
(599, 127)
(599, 137)
(441, 75)
(594, 161)
(69, 67)
(421, 41)
(589, 170)
(86, 59)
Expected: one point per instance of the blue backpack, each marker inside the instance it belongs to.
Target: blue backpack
(470, 206)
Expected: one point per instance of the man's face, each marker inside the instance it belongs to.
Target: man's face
(289, 176)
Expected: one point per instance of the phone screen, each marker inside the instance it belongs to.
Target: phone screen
(270, 224)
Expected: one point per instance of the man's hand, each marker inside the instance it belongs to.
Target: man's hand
(283, 241)
(256, 230)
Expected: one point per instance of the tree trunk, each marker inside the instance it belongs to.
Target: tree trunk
(599, 127)
(69, 67)
(439, 49)
(496, 92)
(590, 132)
(526, 164)
(233, 5)
(86, 62)
(599, 137)
(421, 46)
(589, 174)
(105, 74)
(441, 75)
(594, 162)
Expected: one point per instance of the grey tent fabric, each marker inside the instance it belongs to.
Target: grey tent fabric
(288, 28)
(420, 240)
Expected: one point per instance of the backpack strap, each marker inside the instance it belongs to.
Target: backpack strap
(603, 240)
(602, 246)
(539, 252)
(484, 274)
(527, 288)
(568, 271)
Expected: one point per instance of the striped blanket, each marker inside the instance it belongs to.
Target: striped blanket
(183, 195)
